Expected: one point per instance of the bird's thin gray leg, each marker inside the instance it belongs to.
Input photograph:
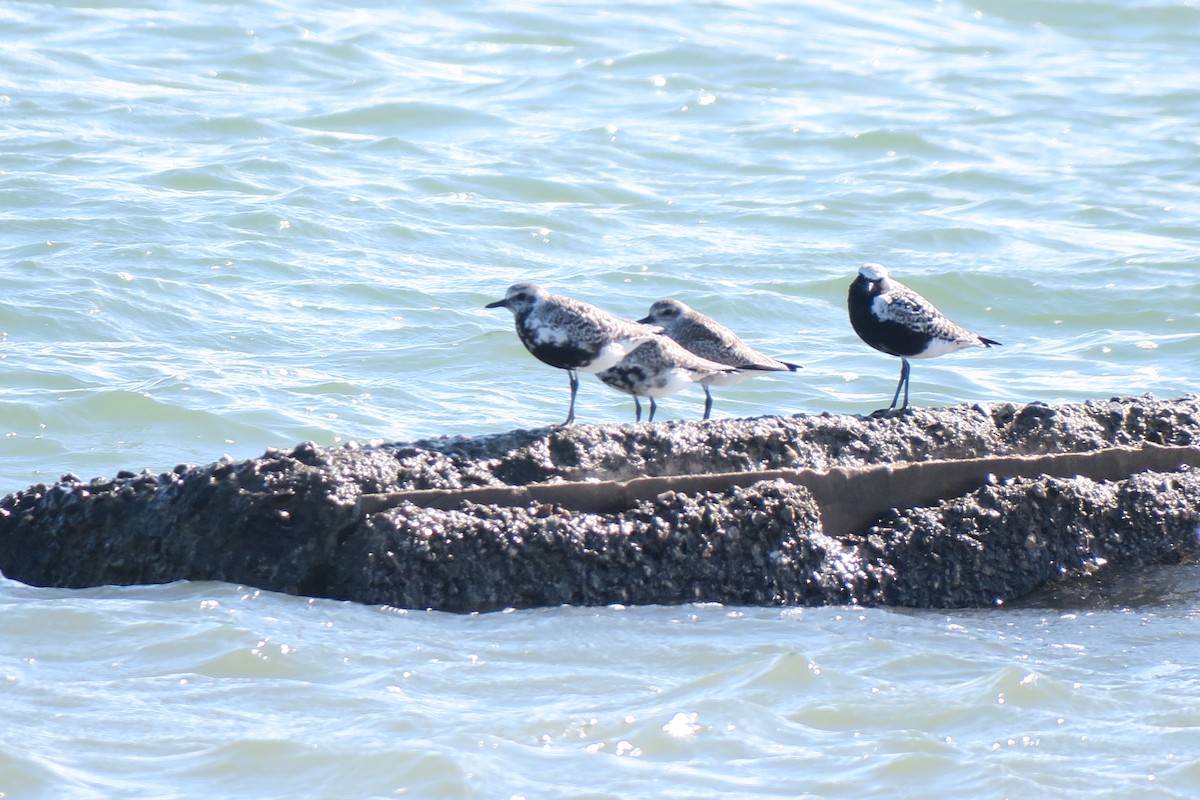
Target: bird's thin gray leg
(904, 369)
(653, 408)
(707, 401)
(637, 409)
(574, 377)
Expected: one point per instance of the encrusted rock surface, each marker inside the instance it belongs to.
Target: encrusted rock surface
(822, 440)
(288, 521)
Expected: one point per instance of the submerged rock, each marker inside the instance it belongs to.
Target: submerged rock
(352, 522)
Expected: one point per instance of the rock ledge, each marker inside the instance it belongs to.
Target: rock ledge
(361, 523)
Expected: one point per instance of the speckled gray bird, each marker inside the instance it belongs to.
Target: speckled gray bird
(571, 334)
(659, 368)
(705, 337)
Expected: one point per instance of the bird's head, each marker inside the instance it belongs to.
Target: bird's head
(664, 312)
(875, 275)
(519, 297)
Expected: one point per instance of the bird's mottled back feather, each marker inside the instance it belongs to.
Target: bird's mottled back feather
(658, 368)
(899, 304)
(707, 338)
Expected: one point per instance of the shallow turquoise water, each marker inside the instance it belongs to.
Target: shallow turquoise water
(239, 226)
(212, 690)
(230, 226)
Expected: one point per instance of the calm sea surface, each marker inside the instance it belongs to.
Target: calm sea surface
(226, 226)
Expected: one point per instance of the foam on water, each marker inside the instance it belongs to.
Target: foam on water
(226, 227)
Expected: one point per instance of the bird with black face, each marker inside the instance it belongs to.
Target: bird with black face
(895, 320)
(571, 334)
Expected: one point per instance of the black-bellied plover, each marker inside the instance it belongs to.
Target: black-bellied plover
(659, 368)
(895, 320)
(570, 334)
(707, 338)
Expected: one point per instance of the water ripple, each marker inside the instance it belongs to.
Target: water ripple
(227, 228)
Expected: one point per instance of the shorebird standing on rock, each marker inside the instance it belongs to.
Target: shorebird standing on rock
(570, 334)
(707, 338)
(895, 320)
(660, 368)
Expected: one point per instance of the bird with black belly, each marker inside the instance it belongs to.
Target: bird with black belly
(571, 334)
(895, 320)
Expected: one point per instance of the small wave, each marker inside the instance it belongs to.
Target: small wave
(411, 119)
